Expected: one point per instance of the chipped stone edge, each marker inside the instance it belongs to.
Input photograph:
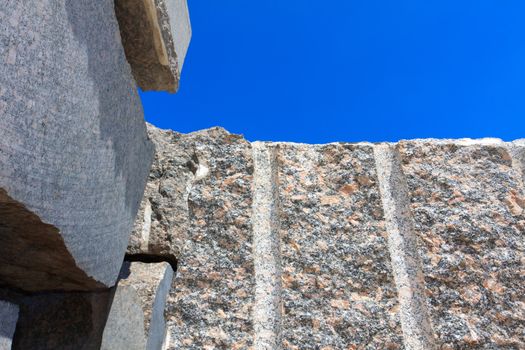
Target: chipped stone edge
(266, 249)
(402, 244)
(157, 336)
(163, 28)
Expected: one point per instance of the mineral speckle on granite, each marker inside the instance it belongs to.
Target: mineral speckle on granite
(74, 154)
(267, 308)
(338, 289)
(156, 35)
(467, 200)
(210, 304)
(8, 319)
(406, 262)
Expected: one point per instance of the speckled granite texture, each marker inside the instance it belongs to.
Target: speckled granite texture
(467, 201)
(338, 287)
(416, 245)
(162, 223)
(211, 300)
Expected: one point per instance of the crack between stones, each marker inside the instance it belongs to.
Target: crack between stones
(266, 249)
(402, 243)
(152, 259)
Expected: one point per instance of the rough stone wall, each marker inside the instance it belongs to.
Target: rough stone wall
(414, 245)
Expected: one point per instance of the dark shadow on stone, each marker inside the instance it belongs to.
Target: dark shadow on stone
(62, 321)
(33, 255)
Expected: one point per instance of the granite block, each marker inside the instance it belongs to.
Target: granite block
(162, 224)
(136, 319)
(61, 321)
(74, 154)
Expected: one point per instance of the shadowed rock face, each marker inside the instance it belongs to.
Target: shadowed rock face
(24, 236)
(155, 35)
(74, 154)
(61, 321)
(416, 245)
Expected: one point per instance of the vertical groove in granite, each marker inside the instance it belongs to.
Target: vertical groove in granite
(406, 265)
(516, 150)
(267, 304)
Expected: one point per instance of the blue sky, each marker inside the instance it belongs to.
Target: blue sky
(345, 70)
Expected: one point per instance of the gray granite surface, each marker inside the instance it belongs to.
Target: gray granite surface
(60, 321)
(136, 319)
(74, 154)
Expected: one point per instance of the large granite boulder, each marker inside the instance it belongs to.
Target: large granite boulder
(74, 154)
(156, 35)
(467, 201)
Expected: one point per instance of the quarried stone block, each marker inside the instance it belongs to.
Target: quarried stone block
(74, 154)
(211, 301)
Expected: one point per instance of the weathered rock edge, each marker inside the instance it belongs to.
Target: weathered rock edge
(155, 35)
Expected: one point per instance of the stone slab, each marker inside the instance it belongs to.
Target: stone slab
(467, 201)
(156, 35)
(210, 304)
(338, 289)
(8, 320)
(74, 154)
(136, 319)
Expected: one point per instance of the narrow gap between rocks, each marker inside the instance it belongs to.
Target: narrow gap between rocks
(151, 258)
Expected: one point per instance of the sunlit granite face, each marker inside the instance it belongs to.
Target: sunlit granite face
(416, 245)
(338, 290)
(211, 300)
(467, 202)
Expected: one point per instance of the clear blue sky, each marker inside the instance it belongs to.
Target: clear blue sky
(348, 70)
